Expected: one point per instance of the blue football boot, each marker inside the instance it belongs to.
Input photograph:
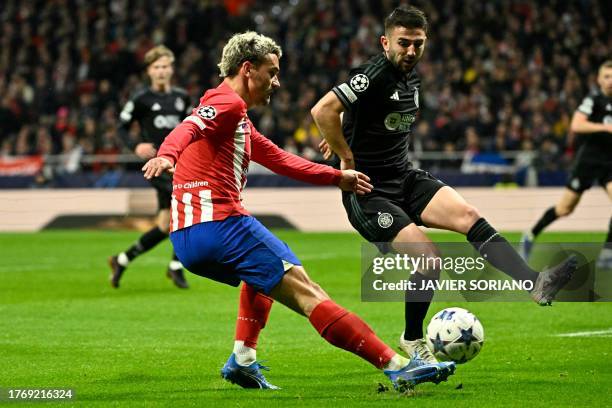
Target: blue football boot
(417, 372)
(246, 376)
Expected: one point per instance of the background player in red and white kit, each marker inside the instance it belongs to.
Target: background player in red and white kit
(214, 235)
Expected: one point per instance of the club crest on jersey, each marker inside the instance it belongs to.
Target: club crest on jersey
(385, 220)
(207, 112)
(359, 83)
(179, 104)
(399, 121)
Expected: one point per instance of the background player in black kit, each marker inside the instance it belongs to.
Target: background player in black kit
(592, 122)
(157, 109)
(380, 102)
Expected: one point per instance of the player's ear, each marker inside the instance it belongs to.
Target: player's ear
(247, 67)
(384, 41)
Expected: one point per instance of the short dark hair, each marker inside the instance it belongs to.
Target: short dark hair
(409, 17)
(606, 64)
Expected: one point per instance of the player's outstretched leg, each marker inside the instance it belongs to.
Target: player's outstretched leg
(175, 272)
(118, 263)
(347, 331)
(499, 253)
(242, 367)
(448, 210)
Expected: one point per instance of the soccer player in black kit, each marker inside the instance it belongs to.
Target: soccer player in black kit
(367, 122)
(157, 109)
(592, 123)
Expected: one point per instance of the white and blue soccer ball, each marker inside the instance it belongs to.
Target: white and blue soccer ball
(454, 334)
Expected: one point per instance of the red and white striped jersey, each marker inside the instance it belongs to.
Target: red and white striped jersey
(211, 150)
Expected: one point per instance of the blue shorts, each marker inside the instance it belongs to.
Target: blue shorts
(233, 250)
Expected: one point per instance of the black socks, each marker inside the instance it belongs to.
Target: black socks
(498, 251)
(415, 312)
(147, 241)
(547, 218)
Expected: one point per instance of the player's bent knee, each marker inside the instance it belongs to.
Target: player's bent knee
(470, 215)
(564, 210)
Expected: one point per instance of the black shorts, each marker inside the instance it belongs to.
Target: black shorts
(393, 204)
(585, 173)
(163, 187)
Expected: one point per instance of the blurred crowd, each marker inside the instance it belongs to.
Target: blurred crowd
(496, 75)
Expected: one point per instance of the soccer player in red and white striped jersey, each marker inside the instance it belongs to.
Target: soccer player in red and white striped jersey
(215, 145)
(214, 235)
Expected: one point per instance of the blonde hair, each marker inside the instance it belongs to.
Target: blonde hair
(247, 46)
(156, 53)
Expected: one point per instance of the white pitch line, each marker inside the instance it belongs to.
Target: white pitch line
(594, 333)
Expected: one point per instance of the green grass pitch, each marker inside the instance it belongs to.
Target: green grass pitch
(149, 344)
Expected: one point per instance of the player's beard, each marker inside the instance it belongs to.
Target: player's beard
(401, 63)
(267, 98)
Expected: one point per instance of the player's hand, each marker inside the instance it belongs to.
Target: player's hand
(156, 166)
(145, 151)
(355, 181)
(325, 149)
(608, 127)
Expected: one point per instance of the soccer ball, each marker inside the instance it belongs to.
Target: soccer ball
(455, 334)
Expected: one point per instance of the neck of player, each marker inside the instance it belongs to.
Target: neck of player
(239, 84)
(161, 86)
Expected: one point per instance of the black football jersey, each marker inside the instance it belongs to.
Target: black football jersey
(156, 112)
(381, 104)
(596, 147)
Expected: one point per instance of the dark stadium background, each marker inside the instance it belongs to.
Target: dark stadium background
(500, 79)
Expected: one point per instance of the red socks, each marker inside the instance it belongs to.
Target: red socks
(253, 312)
(347, 331)
(334, 323)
